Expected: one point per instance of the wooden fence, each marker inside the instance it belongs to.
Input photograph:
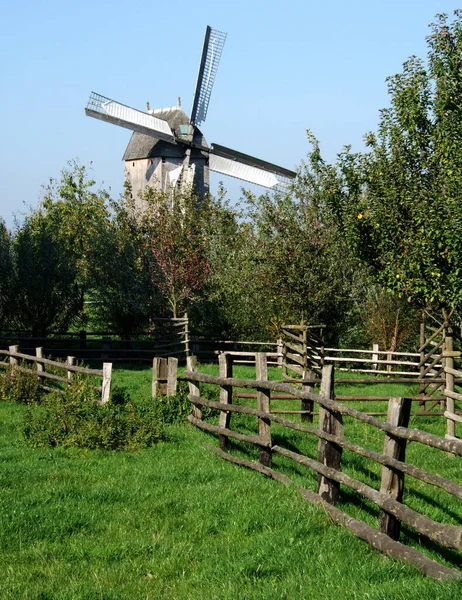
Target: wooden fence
(164, 382)
(17, 361)
(208, 350)
(432, 367)
(167, 337)
(331, 442)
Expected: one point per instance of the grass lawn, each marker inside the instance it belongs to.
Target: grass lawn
(177, 522)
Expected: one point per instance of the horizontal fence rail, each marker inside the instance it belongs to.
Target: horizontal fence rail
(167, 337)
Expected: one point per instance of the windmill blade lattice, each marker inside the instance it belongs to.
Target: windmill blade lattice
(214, 42)
(111, 111)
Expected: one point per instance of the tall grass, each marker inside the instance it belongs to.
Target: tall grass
(176, 522)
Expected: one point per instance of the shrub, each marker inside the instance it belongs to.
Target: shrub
(76, 419)
(175, 409)
(16, 386)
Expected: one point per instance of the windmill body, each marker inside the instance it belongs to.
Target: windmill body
(161, 164)
(167, 150)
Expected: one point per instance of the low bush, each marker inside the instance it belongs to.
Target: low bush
(75, 418)
(16, 386)
(175, 409)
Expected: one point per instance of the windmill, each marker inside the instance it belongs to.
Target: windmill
(168, 149)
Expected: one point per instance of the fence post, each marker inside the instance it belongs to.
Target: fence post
(159, 376)
(307, 404)
(450, 403)
(186, 335)
(389, 360)
(284, 359)
(399, 410)
(329, 453)
(40, 366)
(263, 404)
(194, 389)
(322, 351)
(279, 350)
(13, 360)
(106, 391)
(225, 362)
(375, 357)
(172, 375)
(422, 360)
(70, 361)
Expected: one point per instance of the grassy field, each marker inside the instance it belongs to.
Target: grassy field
(177, 522)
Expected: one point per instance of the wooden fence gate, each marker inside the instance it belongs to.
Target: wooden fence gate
(302, 350)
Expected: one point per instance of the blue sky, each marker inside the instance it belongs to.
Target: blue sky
(286, 66)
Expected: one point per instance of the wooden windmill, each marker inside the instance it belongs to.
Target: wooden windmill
(168, 149)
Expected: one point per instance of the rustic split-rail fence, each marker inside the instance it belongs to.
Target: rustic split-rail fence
(432, 367)
(328, 464)
(49, 372)
(165, 337)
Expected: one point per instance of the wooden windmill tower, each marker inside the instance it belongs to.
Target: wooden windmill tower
(167, 149)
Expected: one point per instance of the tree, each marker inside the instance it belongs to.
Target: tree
(279, 262)
(173, 226)
(121, 285)
(102, 237)
(47, 292)
(399, 206)
(81, 214)
(7, 275)
(388, 320)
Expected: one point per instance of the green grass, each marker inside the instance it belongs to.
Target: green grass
(177, 522)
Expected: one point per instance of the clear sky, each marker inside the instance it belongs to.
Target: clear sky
(286, 66)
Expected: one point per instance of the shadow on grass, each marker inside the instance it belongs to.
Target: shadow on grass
(433, 502)
(451, 556)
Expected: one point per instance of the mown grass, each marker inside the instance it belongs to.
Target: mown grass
(176, 521)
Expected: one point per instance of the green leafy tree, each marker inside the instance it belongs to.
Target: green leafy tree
(6, 275)
(47, 293)
(388, 320)
(279, 262)
(81, 214)
(400, 205)
(124, 294)
(103, 238)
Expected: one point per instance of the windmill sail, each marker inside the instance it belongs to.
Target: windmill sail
(214, 42)
(111, 111)
(182, 155)
(248, 168)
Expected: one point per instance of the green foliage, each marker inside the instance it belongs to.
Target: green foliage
(47, 292)
(239, 273)
(76, 419)
(81, 215)
(16, 386)
(7, 274)
(400, 205)
(388, 319)
(101, 235)
(175, 409)
(123, 293)
(277, 262)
